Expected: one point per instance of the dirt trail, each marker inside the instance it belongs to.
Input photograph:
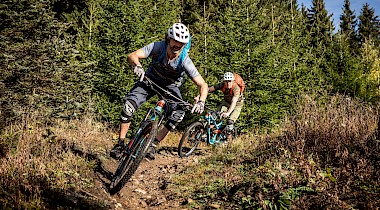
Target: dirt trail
(149, 187)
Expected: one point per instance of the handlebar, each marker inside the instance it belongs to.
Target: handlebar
(179, 101)
(213, 112)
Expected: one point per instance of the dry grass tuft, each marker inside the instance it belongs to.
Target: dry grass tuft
(341, 138)
(326, 156)
(39, 169)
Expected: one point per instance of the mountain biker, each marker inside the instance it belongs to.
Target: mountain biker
(170, 62)
(233, 100)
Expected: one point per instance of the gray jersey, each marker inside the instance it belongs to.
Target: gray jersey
(167, 72)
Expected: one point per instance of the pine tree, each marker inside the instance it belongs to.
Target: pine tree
(320, 24)
(370, 58)
(348, 24)
(368, 25)
(41, 69)
(304, 11)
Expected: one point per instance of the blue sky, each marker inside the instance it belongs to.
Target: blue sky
(336, 7)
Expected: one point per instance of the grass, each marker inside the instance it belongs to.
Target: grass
(324, 157)
(38, 168)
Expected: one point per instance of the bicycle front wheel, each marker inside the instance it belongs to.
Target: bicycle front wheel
(191, 139)
(130, 162)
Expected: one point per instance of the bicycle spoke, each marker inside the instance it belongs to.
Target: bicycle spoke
(191, 139)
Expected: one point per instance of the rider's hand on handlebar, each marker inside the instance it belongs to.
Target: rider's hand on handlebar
(224, 115)
(199, 107)
(139, 71)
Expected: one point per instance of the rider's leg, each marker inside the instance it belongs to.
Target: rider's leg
(126, 115)
(229, 129)
(176, 116)
(233, 118)
(134, 99)
(124, 127)
(223, 107)
(125, 118)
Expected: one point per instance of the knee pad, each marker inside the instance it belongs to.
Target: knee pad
(230, 126)
(175, 118)
(128, 109)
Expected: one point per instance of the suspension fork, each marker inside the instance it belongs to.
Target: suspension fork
(151, 115)
(207, 126)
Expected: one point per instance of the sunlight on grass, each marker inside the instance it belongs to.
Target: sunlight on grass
(42, 162)
(309, 156)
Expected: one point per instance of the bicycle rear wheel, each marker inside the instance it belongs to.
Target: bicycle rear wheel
(191, 139)
(130, 162)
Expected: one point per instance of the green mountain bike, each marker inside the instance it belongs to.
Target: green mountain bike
(138, 146)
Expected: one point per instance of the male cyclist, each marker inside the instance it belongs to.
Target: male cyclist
(233, 100)
(170, 63)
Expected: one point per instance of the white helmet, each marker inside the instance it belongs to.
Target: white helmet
(228, 76)
(179, 32)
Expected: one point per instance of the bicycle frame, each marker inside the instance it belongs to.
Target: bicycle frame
(143, 138)
(151, 115)
(158, 113)
(212, 120)
(209, 129)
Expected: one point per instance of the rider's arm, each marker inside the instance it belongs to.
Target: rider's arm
(216, 87)
(234, 100)
(134, 57)
(202, 87)
(233, 104)
(211, 89)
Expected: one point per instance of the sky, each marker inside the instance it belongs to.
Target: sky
(336, 7)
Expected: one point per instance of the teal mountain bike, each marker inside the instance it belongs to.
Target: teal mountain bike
(209, 129)
(138, 146)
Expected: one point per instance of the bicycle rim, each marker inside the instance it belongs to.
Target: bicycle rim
(123, 167)
(190, 139)
(130, 162)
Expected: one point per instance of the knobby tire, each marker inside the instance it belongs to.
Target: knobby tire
(129, 165)
(192, 136)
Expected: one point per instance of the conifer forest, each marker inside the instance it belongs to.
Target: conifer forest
(311, 110)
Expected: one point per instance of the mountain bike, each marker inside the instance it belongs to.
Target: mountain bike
(138, 146)
(208, 129)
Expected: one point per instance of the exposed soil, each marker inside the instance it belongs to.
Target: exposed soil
(149, 187)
